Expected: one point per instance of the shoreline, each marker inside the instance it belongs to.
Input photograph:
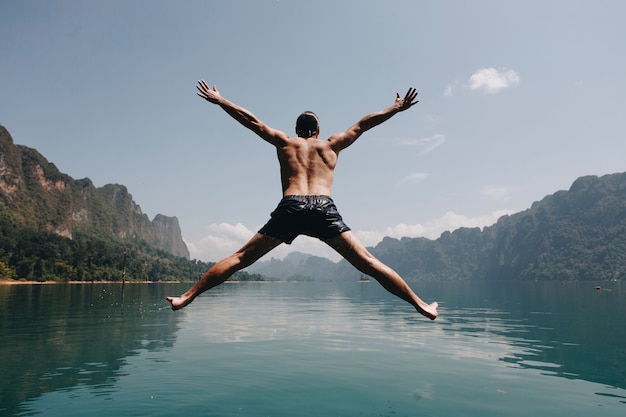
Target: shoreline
(21, 282)
(18, 282)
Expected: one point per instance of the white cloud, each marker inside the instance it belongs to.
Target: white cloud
(223, 239)
(450, 221)
(492, 80)
(425, 145)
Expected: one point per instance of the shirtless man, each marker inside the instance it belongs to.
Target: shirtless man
(307, 168)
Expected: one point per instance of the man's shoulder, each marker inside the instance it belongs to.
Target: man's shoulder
(312, 140)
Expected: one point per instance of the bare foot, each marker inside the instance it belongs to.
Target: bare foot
(178, 302)
(430, 311)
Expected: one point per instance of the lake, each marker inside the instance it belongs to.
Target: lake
(313, 349)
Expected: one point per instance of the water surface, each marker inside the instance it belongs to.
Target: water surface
(313, 349)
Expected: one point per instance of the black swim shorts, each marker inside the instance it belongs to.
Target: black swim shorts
(311, 215)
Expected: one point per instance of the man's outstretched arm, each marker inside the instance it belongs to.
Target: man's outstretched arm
(342, 140)
(243, 116)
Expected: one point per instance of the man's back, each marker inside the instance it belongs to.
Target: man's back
(306, 166)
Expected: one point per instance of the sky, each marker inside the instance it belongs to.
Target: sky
(517, 100)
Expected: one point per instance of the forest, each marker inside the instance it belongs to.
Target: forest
(32, 255)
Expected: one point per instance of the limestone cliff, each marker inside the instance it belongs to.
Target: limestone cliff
(168, 235)
(34, 192)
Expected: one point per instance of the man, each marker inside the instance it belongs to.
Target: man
(307, 168)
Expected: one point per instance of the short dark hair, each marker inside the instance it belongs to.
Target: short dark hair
(307, 124)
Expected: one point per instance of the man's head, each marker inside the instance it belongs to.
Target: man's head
(307, 125)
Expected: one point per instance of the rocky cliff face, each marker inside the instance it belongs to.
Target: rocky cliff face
(169, 235)
(34, 192)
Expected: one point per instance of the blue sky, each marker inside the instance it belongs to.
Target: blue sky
(517, 100)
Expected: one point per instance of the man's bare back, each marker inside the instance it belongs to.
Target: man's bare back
(307, 167)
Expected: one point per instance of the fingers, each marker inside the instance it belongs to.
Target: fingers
(410, 97)
(205, 91)
(202, 86)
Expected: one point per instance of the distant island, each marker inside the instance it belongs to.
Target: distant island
(56, 228)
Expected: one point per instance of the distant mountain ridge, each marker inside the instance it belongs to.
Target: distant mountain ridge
(296, 266)
(578, 234)
(575, 234)
(35, 193)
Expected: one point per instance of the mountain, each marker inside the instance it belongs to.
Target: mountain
(577, 234)
(296, 266)
(36, 194)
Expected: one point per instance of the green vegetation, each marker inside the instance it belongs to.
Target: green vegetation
(579, 234)
(28, 254)
(53, 227)
(36, 194)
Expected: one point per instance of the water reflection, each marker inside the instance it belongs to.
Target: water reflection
(55, 337)
(568, 331)
(249, 345)
(565, 330)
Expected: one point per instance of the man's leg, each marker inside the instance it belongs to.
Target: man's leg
(349, 246)
(258, 246)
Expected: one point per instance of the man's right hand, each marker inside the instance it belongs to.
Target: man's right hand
(211, 95)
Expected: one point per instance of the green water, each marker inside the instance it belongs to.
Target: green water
(313, 349)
